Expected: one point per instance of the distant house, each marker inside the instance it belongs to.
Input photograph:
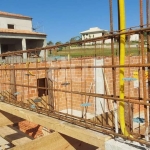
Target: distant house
(97, 32)
(134, 37)
(93, 33)
(16, 33)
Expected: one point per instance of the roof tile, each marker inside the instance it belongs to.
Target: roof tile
(13, 15)
(14, 31)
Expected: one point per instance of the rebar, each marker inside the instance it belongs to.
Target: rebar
(76, 88)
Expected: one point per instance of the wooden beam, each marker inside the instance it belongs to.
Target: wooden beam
(57, 141)
(53, 141)
(8, 119)
(4, 144)
(14, 136)
(82, 134)
(50, 92)
(13, 81)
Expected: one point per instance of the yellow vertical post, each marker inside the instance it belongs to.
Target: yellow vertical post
(122, 27)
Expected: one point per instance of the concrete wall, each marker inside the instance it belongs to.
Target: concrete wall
(134, 37)
(21, 44)
(19, 23)
(34, 43)
(94, 35)
(13, 44)
(91, 35)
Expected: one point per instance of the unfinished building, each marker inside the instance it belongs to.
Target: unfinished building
(16, 33)
(84, 100)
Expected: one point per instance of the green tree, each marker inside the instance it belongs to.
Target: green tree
(67, 42)
(50, 43)
(58, 43)
(75, 39)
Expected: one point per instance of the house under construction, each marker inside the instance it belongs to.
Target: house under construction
(88, 98)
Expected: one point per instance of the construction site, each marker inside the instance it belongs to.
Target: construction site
(87, 98)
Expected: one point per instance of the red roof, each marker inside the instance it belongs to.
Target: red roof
(13, 15)
(14, 31)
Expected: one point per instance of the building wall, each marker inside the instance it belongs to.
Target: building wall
(79, 80)
(90, 35)
(94, 35)
(82, 80)
(131, 89)
(30, 44)
(8, 44)
(19, 23)
(13, 44)
(134, 37)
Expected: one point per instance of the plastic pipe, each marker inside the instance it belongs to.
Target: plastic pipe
(122, 27)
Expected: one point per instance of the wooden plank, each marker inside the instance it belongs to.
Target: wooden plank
(4, 144)
(79, 145)
(13, 80)
(50, 92)
(53, 141)
(8, 119)
(106, 118)
(14, 136)
(129, 116)
(111, 119)
(82, 134)
(57, 142)
(140, 130)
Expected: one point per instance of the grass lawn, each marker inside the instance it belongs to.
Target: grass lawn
(93, 52)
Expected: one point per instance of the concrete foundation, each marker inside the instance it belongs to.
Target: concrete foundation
(116, 145)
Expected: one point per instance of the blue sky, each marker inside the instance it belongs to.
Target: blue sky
(63, 19)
